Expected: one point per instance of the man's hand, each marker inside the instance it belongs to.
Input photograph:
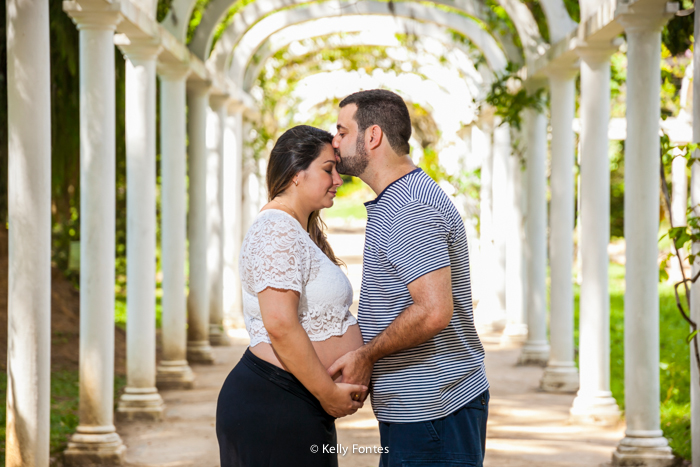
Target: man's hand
(355, 368)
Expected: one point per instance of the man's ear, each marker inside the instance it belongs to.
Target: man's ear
(375, 136)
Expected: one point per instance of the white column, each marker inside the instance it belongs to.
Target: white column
(695, 289)
(216, 120)
(95, 439)
(679, 207)
(251, 184)
(594, 402)
(140, 399)
(29, 212)
(198, 347)
(499, 218)
(516, 275)
(561, 374)
(483, 143)
(536, 348)
(644, 443)
(173, 370)
(233, 186)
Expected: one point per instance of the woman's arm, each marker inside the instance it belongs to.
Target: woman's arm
(293, 347)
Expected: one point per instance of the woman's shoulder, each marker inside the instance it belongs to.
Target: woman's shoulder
(272, 226)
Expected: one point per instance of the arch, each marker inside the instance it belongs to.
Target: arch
(177, 20)
(252, 40)
(558, 20)
(521, 16)
(326, 26)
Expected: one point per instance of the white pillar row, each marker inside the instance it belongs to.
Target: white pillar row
(232, 191)
(140, 399)
(695, 289)
(198, 347)
(96, 440)
(251, 183)
(29, 212)
(499, 220)
(561, 374)
(173, 370)
(644, 443)
(516, 275)
(679, 207)
(216, 120)
(482, 138)
(594, 402)
(536, 349)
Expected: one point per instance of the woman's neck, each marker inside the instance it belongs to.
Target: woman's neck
(291, 205)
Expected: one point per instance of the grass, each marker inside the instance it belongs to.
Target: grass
(674, 366)
(64, 409)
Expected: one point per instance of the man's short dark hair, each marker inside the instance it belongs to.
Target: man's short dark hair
(388, 111)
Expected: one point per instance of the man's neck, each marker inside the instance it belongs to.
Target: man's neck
(378, 178)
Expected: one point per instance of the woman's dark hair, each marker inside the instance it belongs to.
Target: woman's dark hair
(294, 151)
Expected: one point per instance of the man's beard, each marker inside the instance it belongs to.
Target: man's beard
(356, 164)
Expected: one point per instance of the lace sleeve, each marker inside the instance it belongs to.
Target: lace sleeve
(274, 254)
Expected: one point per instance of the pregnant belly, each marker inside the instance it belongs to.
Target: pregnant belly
(328, 351)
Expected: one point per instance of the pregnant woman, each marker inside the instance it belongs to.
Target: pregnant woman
(279, 401)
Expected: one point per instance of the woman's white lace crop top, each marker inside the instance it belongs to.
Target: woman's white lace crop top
(277, 252)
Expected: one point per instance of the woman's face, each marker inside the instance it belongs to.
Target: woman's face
(319, 182)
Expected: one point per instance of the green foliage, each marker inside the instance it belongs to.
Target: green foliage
(677, 35)
(196, 17)
(162, 9)
(509, 98)
(616, 155)
(535, 8)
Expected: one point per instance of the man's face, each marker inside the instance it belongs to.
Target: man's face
(349, 144)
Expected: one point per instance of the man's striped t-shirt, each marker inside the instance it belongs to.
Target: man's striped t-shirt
(413, 229)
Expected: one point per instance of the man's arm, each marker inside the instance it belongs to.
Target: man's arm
(430, 313)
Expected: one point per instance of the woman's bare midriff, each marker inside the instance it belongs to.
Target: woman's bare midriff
(328, 351)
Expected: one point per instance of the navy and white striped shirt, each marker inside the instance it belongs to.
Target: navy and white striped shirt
(414, 229)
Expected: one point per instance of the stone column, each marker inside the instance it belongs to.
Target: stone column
(233, 187)
(499, 218)
(29, 248)
(198, 347)
(173, 370)
(679, 207)
(561, 374)
(644, 443)
(140, 399)
(536, 348)
(95, 439)
(516, 276)
(251, 183)
(484, 145)
(594, 402)
(216, 120)
(695, 289)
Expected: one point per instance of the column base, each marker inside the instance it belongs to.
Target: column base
(560, 377)
(534, 353)
(174, 374)
(643, 448)
(600, 409)
(217, 336)
(94, 446)
(140, 404)
(514, 333)
(199, 352)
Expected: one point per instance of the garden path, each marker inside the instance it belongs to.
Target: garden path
(526, 427)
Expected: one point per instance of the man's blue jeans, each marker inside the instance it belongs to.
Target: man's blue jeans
(458, 439)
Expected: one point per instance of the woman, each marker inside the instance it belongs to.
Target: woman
(279, 400)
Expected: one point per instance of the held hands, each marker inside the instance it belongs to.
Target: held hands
(341, 401)
(353, 367)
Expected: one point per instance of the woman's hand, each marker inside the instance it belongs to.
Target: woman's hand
(341, 400)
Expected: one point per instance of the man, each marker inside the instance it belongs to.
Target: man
(425, 360)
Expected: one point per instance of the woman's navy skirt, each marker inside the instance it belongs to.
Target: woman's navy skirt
(265, 417)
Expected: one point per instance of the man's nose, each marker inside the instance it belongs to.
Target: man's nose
(336, 142)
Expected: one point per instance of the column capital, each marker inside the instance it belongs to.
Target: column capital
(595, 53)
(93, 15)
(217, 101)
(645, 16)
(198, 87)
(564, 72)
(138, 49)
(173, 71)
